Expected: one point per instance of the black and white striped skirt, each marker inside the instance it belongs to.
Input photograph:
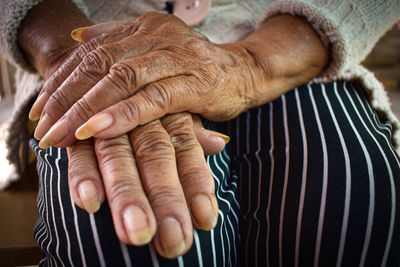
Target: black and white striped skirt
(310, 179)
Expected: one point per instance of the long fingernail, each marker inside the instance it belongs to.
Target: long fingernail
(217, 134)
(37, 107)
(88, 195)
(42, 127)
(56, 133)
(77, 34)
(94, 125)
(203, 212)
(136, 225)
(171, 237)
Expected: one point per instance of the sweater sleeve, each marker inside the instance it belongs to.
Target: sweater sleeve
(349, 28)
(12, 12)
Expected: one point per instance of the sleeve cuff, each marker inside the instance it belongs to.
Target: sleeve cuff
(322, 25)
(14, 11)
(13, 14)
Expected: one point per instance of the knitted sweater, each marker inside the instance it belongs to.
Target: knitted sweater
(349, 28)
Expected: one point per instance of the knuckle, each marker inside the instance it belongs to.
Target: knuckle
(123, 77)
(122, 190)
(207, 77)
(195, 46)
(184, 141)
(95, 63)
(158, 95)
(128, 29)
(58, 100)
(152, 145)
(86, 48)
(82, 109)
(92, 44)
(174, 122)
(110, 150)
(130, 111)
(168, 28)
(181, 131)
(162, 194)
(56, 79)
(196, 177)
(115, 158)
(80, 167)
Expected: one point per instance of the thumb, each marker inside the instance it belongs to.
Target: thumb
(84, 34)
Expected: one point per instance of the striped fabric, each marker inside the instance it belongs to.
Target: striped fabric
(71, 237)
(313, 172)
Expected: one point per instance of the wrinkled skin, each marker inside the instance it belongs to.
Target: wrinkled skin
(156, 65)
(143, 172)
(142, 70)
(168, 167)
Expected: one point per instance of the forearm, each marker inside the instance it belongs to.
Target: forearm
(289, 52)
(351, 30)
(44, 34)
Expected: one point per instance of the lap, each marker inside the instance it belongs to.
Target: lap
(70, 236)
(313, 172)
(318, 180)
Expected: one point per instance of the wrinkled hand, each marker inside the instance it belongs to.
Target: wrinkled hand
(159, 163)
(141, 70)
(166, 147)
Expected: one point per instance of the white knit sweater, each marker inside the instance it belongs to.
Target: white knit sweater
(350, 28)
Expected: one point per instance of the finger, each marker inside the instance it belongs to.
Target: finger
(211, 142)
(89, 65)
(59, 76)
(84, 34)
(126, 41)
(74, 60)
(132, 215)
(123, 80)
(153, 102)
(155, 157)
(84, 178)
(194, 174)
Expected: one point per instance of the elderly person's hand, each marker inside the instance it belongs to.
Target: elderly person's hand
(156, 65)
(158, 188)
(156, 178)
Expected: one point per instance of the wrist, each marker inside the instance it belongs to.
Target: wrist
(44, 34)
(287, 52)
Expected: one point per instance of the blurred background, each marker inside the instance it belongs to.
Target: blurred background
(384, 61)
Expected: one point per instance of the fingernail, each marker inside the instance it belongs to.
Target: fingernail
(42, 127)
(77, 34)
(217, 134)
(203, 212)
(37, 107)
(171, 237)
(136, 225)
(94, 125)
(56, 133)
(88, 195)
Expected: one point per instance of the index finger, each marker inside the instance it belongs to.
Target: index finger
(123, 80)
(60, 75)
(129, 40)
(77, 55)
